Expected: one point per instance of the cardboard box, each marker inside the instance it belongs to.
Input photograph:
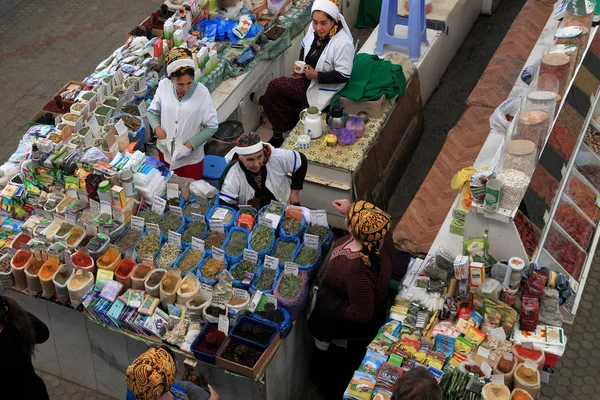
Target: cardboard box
(38, 115)
(71, 85)
(155, 32)
(374, 109)
(259, 367)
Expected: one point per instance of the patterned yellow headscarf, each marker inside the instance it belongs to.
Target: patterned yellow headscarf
(151, 374)
(369, 225)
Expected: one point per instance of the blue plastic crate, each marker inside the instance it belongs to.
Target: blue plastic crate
(269, 326)
(207, 358)
(213, 167)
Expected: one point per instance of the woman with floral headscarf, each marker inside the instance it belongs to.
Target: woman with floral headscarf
(328, 51)
(351, 303)
(182, 116)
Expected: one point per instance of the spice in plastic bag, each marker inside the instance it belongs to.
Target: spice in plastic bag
(261, 238)
(214, 239)
(167, 256)
(237, 243)
(148, 245)
(318, 230)
(211, 268)
(534, 287)
(150, 217)
(529, 313)
(170, 222)
(194, 229)
(291, 226)
(265, 282)
(190, 260)
(307, 256)
(240, 271)
(290, 286)
(129, 239)
(284, 251)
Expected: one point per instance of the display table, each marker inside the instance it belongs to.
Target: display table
(84, 351)
(371, 168)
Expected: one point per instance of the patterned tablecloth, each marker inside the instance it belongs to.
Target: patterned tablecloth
(344, 157)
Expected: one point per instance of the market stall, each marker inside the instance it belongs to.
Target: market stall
(483, 311)
(115, 253)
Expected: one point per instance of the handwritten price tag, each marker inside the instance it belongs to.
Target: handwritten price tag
(158, 205)
(218, 254)
(217, 225)
(311, 241)
(290, 268)
(271, 262)
(197, 244)
(137, 223)
(175, 237)
(153, 228)
(250, 255)
(319, 217)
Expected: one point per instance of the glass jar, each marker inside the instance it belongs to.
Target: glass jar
(558, 65)
(517, 163)
(532, 126)
(543, 96)
(104, 191)
(580, 13)
(573, 35)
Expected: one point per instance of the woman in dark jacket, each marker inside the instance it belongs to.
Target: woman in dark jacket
(20, 331)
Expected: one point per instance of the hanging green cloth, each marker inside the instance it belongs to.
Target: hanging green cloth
(368, 14)
(371, 78)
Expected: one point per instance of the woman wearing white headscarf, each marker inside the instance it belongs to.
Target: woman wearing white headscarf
(328, 51)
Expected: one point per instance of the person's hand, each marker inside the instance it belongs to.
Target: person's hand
(189, 145)
(213, 393)
(311, 73)
(343, 206)
(160, 133)
(294, 197)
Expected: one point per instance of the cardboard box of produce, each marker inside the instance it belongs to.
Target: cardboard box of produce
(260, 365)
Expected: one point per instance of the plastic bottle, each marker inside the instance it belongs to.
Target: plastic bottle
(168, 30)
(104, 191)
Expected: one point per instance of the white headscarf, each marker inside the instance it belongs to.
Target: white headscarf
(333, 11)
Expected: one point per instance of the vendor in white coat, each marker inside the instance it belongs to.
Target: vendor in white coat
(328, 52)
(258, 174)
(182, 116)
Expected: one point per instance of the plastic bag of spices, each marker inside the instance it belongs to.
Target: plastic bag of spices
(531, 353)
(494, 391)
(505, 366)
(520, 394)
(292, 293)
(529, 313)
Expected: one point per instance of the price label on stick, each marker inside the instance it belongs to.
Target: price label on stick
(217, 225)
(197, 217)
(219, 301)
(158, 205)
(206, 288)
(290, 268)
(311, 241)
(319, 217)
(218, 254)
(94, 126)
(224, 324)
(483, 352)
(197, 244)
(251, 255)
(172, 190)
(176, 210)
(175, 237)
(271, 262)
(153, 228)
(264, 221)
(486, 369)
(137, 223)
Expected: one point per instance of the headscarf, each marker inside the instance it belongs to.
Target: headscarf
(248, 143)
(370, 225)
(151, 374)
(178, 58)
(330, 8)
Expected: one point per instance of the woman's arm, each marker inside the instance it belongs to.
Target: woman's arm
(154, 120)
(39, 328)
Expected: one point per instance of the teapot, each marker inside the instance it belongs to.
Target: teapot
(336, 119)
(312, 122)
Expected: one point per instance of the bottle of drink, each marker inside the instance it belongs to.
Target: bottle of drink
(35, 152)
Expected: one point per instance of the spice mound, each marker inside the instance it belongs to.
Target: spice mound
(215, 311)
(214, 239)
(284, 251)
(5, 264)
(129, 239)
(318, 230)
(78, 280)
(170, 222)
(307, 256)
(527, 375)
(265, 282)
(254, 333)
(496, 392)
(194, 229)
(190, 260)
(167, 256)
(289, 286)
(108, 258)
(211, 268)
(237, 243)
(211, 342)
(261, 238)
(21, 258)
(291, 226)
(242, 354)
(148, 245)
(49, 269)
(195, 208)
(240, 271)
(271, 314)
(222, 214)
(150, 217)
(76, 235)
(156, 277)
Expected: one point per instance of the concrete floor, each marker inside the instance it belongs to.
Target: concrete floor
(68, 38)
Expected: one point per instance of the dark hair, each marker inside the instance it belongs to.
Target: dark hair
(417, 384)
(328, 16)
(183, 71)
(15, 320)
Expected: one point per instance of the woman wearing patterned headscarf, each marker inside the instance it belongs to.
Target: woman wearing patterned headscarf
(151, 376)
(328, 51)
(351, 302)
(182, 116)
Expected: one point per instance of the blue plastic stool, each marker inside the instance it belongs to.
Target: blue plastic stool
(417, 27)
(213, 169)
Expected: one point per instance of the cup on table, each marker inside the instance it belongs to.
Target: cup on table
(299, 67)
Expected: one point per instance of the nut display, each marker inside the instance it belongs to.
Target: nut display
(167, 256)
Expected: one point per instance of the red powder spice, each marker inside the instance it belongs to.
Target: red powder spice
(212, 341)
(125, 268)
(51, 107)
(19, 240)
(530, 354)
(21, 258)
(81, 259)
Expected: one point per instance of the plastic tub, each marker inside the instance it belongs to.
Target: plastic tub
(75, 237)
(18, 264)
(60, 208)
(268, 326)
(97, 246)
(82, 260)
(114, 229)
(63, 232)
(285, 327)
(206, 357)
(50, 232)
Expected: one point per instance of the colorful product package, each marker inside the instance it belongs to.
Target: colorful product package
(372, 362)
(388, 375)
(475, 319)
(361, 386)
(392, 327)
(381, 394)
(382, 343)
(396, 359)
(475, 336)
(475, 246)
(435, 359)
(407, 347)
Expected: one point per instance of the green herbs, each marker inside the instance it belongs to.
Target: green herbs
(118, 92)
(169, 222)
(130, 81)
(211, 268)
(190, 260)
(273, 209)
(112, 103)
(240, 271)
(289, 286)
(167, 256)
(318, 230)
(173, 201)
(131, 109)
(132, 123)
(284, 251)
(102, 110)
(194, 229)
(214, 239)
(87, 96)
(150, 217)
(261, 238)
(291, 226)
(307, 256)
(128, 241)
(237, 243)
(148, 245)
(265, 282)
(195, 208)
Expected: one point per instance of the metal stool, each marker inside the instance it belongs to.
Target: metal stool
(417, 27)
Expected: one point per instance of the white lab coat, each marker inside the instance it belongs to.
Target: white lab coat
(236, 188)
(181, 120)
(338, 56)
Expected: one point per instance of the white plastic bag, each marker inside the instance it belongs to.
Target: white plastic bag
(203, 189)
(498, 121)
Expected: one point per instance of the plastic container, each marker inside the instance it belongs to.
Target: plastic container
(60, 280)
(139, 274)
(285, 327)
(124, 271)
(20, 261)
(204, 357)
(270, 327)
(152, 282)
(46, 274)
(97, 246)
(104, 191)
(110, 260)
(82, 260)
(127, 184)
(64, 231)
(7, 279)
